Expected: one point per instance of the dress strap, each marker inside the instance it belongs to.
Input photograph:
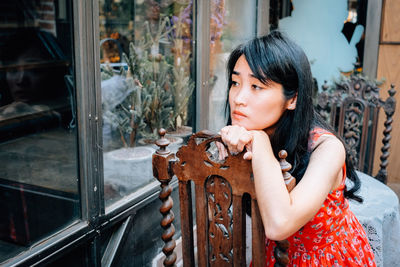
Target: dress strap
(316, 133)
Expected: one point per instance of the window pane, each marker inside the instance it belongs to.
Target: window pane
(232, 22)
(334, 39)
(38, 144)
(146, 70)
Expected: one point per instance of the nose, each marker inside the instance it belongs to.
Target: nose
(16, 76)
(20, 77)
(241, 96)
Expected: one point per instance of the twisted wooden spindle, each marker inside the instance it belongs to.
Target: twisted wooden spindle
(162, 173)
(281, 249)
(389, 107)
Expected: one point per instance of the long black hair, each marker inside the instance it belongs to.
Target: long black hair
(277, 58)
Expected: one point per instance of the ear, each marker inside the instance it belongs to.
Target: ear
(291, 104)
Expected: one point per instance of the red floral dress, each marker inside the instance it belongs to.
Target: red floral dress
(334, 237)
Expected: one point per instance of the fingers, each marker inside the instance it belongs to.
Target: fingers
(224, 134)
(236, 138)
(248, 155)
(244, 140)
(230, 135)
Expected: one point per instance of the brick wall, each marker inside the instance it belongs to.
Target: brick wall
(46, 16)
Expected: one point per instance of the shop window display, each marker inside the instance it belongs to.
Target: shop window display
(38, 146)
(146, 55)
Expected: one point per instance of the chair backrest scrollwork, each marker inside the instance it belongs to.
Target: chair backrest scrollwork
(352, 108)
(219, 190)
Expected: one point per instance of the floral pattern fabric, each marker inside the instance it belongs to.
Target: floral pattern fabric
(334, 237)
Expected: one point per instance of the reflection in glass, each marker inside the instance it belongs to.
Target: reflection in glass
(146, 70)
(38, 170)
(232, 22)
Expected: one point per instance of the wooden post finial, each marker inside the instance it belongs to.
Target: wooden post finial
(290, 181)
(162, 172)
(281, 249)
(163, 142)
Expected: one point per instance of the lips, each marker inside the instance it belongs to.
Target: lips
(237, 114)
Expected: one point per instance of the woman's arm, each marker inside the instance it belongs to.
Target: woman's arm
(284, 213)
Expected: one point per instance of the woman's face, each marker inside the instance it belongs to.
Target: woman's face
(26, 84)
(254, 105)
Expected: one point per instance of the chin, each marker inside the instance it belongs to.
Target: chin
(237, 123)
(243, 125)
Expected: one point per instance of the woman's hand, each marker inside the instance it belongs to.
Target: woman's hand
(236, 138)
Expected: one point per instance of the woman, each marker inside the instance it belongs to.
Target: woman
(270, 107)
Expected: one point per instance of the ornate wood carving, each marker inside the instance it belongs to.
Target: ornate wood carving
(354, 112)
(352, 107)
(219, 197)
(219, 190)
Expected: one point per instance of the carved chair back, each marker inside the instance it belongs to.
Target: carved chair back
(352, 108)
(220, 216)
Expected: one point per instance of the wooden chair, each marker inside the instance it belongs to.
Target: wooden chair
(219, 189)
(352, 108)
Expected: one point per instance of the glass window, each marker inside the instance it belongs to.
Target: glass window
(38, 141)
(232, 22)
(332, 36)
(146, 56)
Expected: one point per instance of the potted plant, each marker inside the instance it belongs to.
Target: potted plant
(125, 166)
(183, 85)
(151, 91)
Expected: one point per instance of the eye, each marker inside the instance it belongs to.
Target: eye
(256, 87)
(234, 83)
(12, 71)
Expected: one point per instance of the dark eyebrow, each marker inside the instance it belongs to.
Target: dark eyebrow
(234, 72)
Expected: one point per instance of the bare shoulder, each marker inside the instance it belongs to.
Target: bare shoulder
(326, 140)
(326, 164)
(329, 147)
